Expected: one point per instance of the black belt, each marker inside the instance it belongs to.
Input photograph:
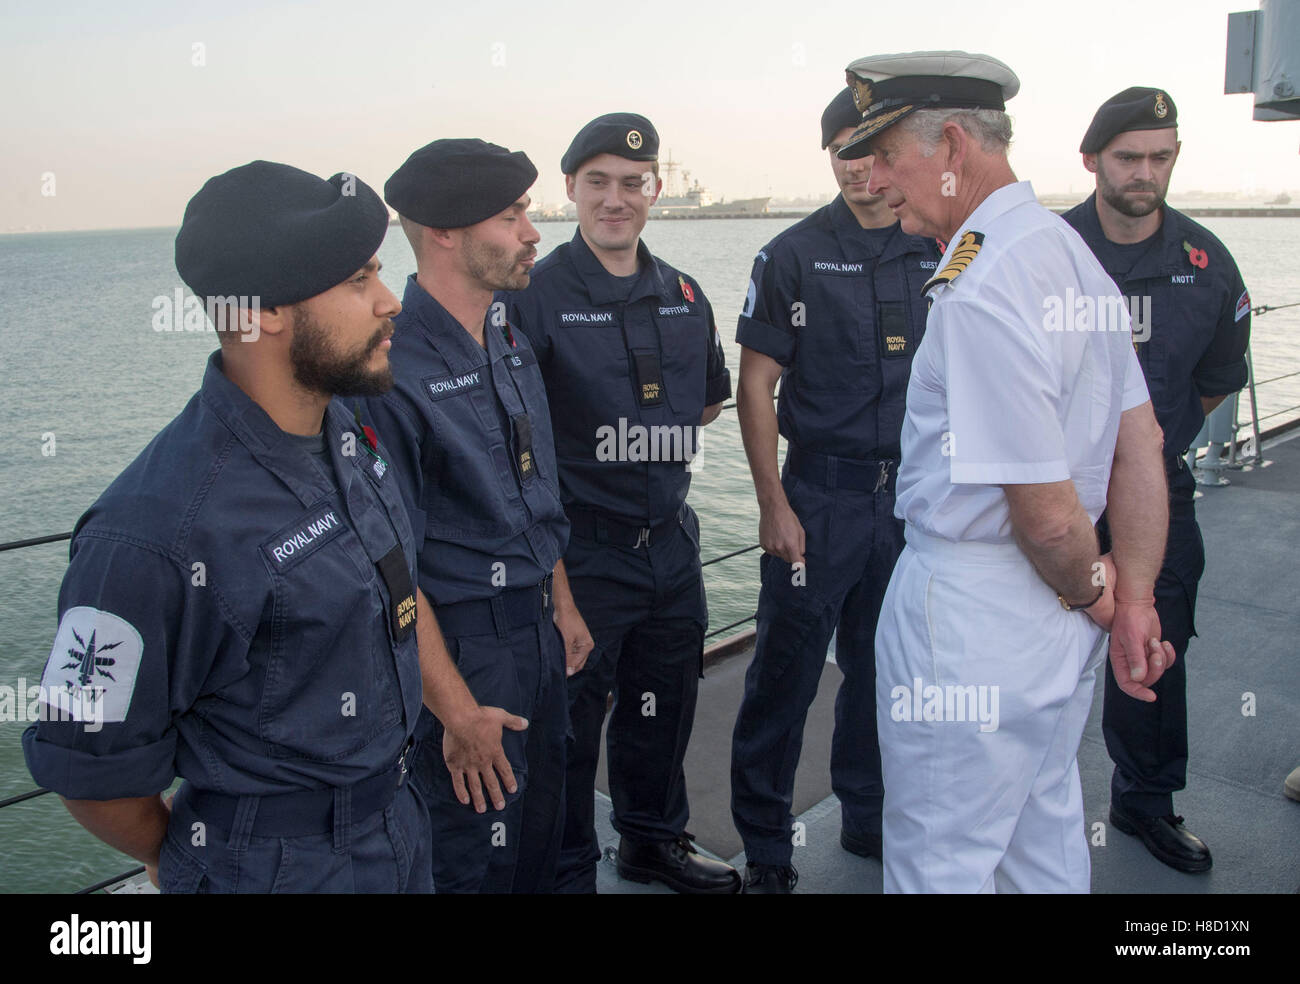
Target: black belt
(606, 529)
(300, 814)
(855, 474)
(515, 608)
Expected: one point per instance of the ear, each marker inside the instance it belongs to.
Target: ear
(1090, 163)
(570, 183)
(266, 320)
(446, 238)
(957, 142)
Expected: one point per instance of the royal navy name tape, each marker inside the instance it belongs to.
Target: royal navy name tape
(586, 317)
(300, 539)
(840, 267)
(445, 386)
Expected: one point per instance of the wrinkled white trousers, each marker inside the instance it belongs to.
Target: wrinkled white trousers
(983, 686)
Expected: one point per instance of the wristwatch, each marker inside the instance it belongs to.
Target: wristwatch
(1078, 608)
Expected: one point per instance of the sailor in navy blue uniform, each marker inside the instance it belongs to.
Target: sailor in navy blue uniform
(834, 311)
(1191, 326)
(239, 608)
(634, 368)
(473, 454)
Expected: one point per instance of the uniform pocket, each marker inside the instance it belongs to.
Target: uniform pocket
(331, 684)
(491, 671)
(178, 873)
(685, 363)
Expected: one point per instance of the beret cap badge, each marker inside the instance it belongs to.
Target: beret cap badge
(1136, 108)
(627, 135)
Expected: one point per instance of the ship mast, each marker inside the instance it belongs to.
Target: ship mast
(670, 176)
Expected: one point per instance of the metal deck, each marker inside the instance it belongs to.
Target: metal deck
(1248, 651)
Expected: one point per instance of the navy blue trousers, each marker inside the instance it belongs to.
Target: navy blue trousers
(1148, 742)
(646, 611)
(515, 849)
(385, 852)
(852, 542)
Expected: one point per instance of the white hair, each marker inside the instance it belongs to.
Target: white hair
(991, 128)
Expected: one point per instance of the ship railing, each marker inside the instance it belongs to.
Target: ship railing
(1251, 452)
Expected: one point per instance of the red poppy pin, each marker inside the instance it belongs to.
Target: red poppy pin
(688, 291)
(1200, 259)
(372, 438)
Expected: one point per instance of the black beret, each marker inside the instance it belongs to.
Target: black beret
(840, 113)
(450, 184)
(1138, 108)
(625, 134)
(277, 233)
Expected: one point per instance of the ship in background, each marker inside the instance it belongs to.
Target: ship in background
(683, 198)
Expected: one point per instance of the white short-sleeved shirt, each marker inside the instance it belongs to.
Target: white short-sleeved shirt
(1026, 365)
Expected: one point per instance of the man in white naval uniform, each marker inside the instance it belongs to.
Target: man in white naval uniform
(1027, 415)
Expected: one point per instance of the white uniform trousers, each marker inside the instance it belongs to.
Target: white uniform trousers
(983, 686)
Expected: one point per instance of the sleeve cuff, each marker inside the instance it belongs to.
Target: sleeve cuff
(718, 388)
(1221, 381)
(762, 337)
(124, 774)
(1009, 473)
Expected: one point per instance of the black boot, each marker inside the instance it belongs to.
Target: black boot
(770, 879)
(677, 865)
(1166, 839)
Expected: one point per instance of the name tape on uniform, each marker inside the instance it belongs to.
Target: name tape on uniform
(301, 539)
(441, 387)
(839, 268)
(586, 317)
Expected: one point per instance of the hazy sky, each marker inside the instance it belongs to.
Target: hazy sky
(131, 107)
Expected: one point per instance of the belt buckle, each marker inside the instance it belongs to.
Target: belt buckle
(642, 538)
(883, 479)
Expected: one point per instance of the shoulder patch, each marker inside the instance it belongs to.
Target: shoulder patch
(92, 669)
(1243, 305)
(962, 255)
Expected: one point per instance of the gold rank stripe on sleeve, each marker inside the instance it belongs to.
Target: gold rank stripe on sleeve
(962, 255)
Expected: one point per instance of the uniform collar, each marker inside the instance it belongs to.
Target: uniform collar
(1166, 254)
(999, 203)
(256, 431)
(847, 229)
(440, 327)
(600, 282)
